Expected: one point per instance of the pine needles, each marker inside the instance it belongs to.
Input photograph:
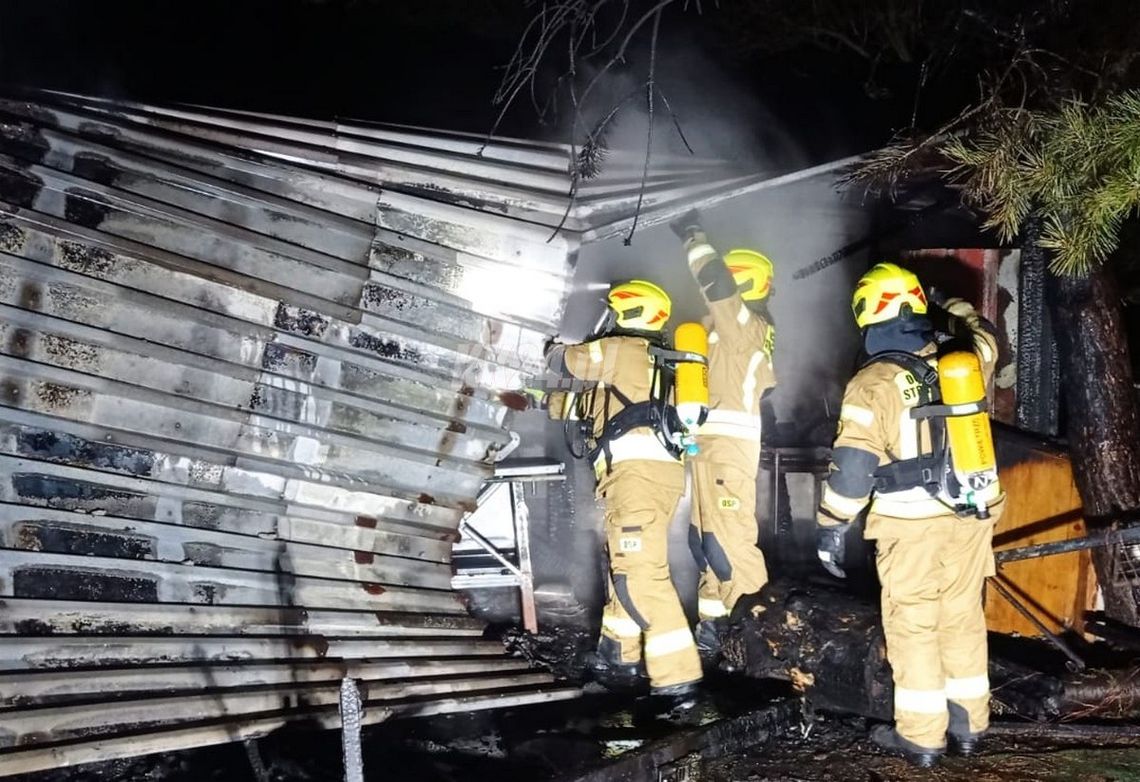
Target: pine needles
(1077, 167)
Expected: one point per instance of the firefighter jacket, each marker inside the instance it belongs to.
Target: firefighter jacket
(876, 429)
(740, 353)
(612, 371)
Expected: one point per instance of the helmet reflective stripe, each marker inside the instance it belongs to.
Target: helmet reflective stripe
(640, 305)
(752, 272)
(883, 292)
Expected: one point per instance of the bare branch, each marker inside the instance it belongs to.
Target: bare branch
(651, 95)
(675, 119)
(587, 41)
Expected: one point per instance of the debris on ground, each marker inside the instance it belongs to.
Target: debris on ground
(836, 750)
(829, 644)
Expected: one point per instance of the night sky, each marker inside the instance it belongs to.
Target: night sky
(360, 58)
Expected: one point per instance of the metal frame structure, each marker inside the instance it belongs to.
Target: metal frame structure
(520, 574)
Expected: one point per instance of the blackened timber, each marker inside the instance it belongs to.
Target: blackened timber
(829, 644)
(1038, 383)
(717, 739)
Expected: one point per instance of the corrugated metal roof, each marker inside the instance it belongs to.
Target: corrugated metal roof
(251, 376)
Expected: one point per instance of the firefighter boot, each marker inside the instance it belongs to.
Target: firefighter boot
(608, 670)
(887, 738)
(709, 634)
(961, 740)
(678, 703)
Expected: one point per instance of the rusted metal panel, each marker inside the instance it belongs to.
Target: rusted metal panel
(26, 689)
(33, 617)
(63, 652)
(252, 372)
(988, 278)
(251, 726)
(73, 721)
(245, 400)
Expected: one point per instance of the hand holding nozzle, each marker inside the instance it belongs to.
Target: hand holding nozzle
(687, 224)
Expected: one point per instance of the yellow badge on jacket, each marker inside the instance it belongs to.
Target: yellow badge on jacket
(909, 388)
(729, 503)
(629, 545)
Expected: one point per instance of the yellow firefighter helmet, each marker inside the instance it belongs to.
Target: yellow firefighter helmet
(752, 272)
(882, 293)
(640, 305)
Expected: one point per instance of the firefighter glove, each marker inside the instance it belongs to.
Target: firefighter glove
(687, 224)
(940, 319)
(830, 548)
(536, 398)
(959, 308)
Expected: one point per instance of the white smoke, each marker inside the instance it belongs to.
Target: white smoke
(794, 225)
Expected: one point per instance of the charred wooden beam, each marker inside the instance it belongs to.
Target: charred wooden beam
(1038, 366)
(827, 642)
(663, 759)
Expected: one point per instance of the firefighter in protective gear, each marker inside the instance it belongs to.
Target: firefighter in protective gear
(640, 481)
(933, 555)
(724, 532)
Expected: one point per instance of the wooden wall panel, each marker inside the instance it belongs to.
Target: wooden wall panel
(1042, 506)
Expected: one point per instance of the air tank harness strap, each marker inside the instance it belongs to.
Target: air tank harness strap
(633, 415)
(925, 471)
(946, 411)
(928, 469)
(667, 357)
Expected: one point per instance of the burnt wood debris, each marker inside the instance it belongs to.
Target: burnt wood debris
(827, 645)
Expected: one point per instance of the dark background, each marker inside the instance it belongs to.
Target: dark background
(432, 63)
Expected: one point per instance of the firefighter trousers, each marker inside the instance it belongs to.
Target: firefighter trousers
(643, 617)
(724, 532)
(933, 575)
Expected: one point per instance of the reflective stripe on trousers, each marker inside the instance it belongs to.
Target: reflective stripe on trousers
(662, 644)
(970, 687)
(920, 701)
(724, 530)
(640, 499)
(932, 573)
(711, 608)
(621, 627)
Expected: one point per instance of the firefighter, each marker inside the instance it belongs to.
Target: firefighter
(640, 479)
(933, 536)
(723, 534)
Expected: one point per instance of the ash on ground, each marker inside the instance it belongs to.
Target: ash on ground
(837, 750)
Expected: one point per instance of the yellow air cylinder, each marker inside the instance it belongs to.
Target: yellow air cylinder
(691, 383)
(971, 442)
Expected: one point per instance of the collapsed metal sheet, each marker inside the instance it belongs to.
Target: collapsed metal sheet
(246, 400)
(253, 371)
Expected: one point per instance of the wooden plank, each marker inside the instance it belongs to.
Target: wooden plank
(1042, 506)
